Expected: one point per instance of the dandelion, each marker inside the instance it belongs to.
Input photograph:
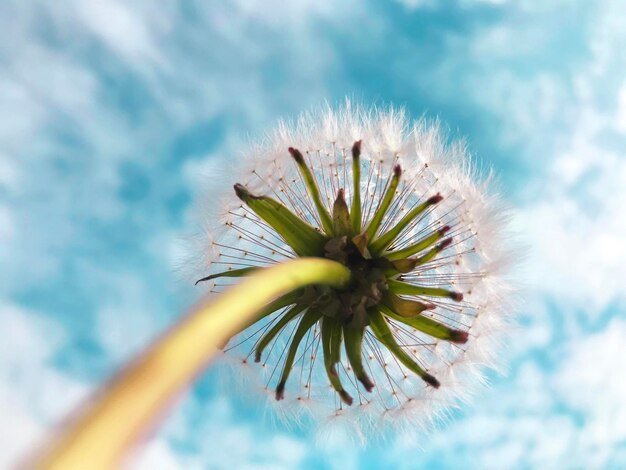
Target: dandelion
(396, 205)
(374, 291)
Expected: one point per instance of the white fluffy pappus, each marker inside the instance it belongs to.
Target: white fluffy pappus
(472, 262)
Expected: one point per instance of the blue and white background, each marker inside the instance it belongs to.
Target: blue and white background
(113, 116)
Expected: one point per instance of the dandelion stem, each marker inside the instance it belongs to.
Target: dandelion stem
(125, 410)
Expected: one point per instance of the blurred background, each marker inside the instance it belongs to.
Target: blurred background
(113, 116)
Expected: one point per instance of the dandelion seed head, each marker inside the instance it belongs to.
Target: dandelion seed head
(426, 240)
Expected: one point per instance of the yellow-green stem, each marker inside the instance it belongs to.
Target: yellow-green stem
(130, 405)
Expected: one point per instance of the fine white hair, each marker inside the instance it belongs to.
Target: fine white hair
(476, 264)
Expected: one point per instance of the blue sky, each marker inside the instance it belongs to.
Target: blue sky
(114, 115)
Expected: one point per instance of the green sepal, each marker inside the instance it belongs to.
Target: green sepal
(429, 326)
(281, 302)
(400, 266)
(403, 288)
(433, 252)
(360, 242)
(353, 342)
(309, 319)
(341, 216)
(403, 266)
(230, 273)
(404, 307)
(381, 330)
(381, 210)
(331, 345)
(311, 185)
(300, 236)
(382, 243)
(267, 338)
(418, 246)
(355, 210)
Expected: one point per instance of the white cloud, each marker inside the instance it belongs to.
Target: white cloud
(72, 113)
(562, 406)
(20, 436)
(280, 14)
(572, 212)
(122, 325)
(7, 227)
(65, 131)
(573, 417)
(156, 455)
(591, 381)
(211, 436)
(416, 4)
(575, 224)
(620, 120)
(8, 173)
(33, 395)
(120, 28)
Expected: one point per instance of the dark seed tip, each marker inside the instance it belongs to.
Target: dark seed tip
(296, 154)
(445, 229)
(459, 336)
(367, 383)
(257, 357)
(430, 306)
(280, 391)
(435, 199)
(430, 380)
(456, 296)
(397, 171)
(341, 194)
(356, 149)
(345, 397)
(241, 192)
(445, 243)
